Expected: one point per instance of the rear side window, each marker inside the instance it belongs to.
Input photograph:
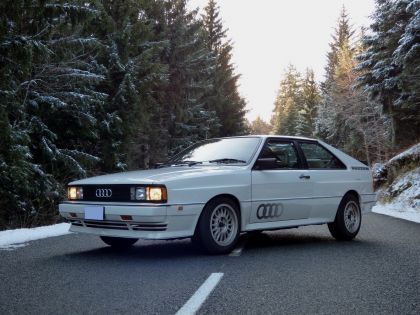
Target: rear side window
(283, 151)
(318, 157)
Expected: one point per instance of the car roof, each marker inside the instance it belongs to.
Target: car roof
(348, 160)
(276, 136)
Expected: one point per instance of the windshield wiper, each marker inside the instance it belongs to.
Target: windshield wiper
(177, 163)
(192, 163)
(189, 163)
(227, 161)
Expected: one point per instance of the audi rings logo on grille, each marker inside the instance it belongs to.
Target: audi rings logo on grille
(269, 210)
(103, 193)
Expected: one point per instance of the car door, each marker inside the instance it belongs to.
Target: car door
(329, 176)
(282, 192)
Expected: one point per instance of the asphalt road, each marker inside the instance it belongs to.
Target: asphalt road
(299, 271)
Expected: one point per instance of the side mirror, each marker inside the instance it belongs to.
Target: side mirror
(266, 164)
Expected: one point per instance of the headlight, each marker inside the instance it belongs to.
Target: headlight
(138, 193)
(148, 193)
(75, 193)
(155, 193)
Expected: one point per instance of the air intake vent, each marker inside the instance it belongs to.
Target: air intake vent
(360, 168)
(118, 225)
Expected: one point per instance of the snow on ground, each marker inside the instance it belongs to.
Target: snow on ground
(11, 239)
(412, 153)
(399, 181)
(404, 194)
(393, 211)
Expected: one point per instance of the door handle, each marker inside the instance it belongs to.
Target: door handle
(302, 176)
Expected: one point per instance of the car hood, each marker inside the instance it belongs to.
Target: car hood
(160, 175)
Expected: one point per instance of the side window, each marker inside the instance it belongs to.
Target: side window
(318, 157)
(283, 151)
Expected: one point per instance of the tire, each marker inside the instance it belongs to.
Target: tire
(347, 220)
(118, 242)
(218, 227)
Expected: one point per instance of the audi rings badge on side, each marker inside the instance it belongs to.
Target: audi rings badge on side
(269, 211)
(103, 193)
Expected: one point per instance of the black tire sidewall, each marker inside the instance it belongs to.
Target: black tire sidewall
(339, 227)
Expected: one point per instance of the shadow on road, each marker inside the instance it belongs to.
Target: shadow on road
(149, 251)
(287, 239)
(184, 250)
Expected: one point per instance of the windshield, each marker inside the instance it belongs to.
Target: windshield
(221, 151)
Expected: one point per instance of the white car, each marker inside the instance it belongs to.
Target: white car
(218, 188)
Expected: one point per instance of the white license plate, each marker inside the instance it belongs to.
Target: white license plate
(94, 213)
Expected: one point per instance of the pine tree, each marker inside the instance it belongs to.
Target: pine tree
(407, 57)
(302, 123)
(260, 127)
(336, 88)
(213, 25)
(345, 117)
(130, 124)
(341, 39)
(390, 65)
(16, 172)
(185, 115)
(224, 97)
(307, 107)
(287, 103)
(48, 102)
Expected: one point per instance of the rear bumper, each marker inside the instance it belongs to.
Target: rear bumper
(367, 202)
(147, 221)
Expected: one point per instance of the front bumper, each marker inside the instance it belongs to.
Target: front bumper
(147, 221)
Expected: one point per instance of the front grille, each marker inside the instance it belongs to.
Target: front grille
(119, 193)
(119, 225)
(113, 193)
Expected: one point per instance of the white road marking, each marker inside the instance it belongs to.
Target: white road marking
(198, 298)
(239, 248)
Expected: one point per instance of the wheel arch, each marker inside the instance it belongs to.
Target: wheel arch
(229, 196)
(353, 193)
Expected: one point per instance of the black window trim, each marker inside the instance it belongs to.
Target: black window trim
(301, 162)
(305, 162)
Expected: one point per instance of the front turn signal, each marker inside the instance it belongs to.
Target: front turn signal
(74, 193)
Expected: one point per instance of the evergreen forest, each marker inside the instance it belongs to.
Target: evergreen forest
(99, 86)
(368, 104)
(93, 87)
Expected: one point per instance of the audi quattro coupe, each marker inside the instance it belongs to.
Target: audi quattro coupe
(218, 188)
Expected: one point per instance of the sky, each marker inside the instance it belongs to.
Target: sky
(268, 35)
